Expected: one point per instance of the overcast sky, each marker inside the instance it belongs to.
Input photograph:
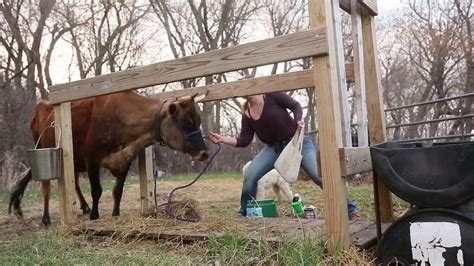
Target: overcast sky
(385, 5)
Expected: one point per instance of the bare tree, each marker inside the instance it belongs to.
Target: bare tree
(103, 35)
(421, 63)
(106, 38)
(21, 36)
(464, 16)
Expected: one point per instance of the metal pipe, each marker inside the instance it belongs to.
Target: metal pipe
(434, 138)
(430, 102)
(431, 121)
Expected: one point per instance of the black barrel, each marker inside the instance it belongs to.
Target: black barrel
(428, 236)
(439, 175)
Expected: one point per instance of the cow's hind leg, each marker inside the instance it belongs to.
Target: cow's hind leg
(84, 206)
(118, 191)
(46, 187)
(93, 170)
(17, 194)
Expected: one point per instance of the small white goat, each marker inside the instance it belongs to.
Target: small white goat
(273, 180)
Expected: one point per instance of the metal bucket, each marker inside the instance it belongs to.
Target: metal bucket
(46, 163)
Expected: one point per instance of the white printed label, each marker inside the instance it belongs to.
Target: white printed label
(429, 241)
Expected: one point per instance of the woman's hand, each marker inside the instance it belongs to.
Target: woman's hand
(215, 138)
(299, 124)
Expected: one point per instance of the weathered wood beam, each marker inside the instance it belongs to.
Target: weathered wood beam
(330, 135)
(66, 184)
(369, 5)
(145, 172)
(359, 77)
(375, 114)
(336, 25)
(355, 160)
(283, 48)
(281, 82)
(350, 76)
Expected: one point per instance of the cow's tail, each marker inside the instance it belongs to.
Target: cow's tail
(17, 194)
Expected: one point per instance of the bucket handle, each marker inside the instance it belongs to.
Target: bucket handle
(53, 126)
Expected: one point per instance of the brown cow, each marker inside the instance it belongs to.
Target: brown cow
(109, 131)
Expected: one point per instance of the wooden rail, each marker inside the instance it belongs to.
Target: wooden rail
(280, 82)
(288, 47)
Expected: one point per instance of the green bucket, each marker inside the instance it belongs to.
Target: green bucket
(259, 208)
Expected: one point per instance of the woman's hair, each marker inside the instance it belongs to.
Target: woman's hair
(245, 105)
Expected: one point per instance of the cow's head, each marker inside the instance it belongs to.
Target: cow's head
(180, 127)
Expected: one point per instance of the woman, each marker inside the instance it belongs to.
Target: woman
(266, 116)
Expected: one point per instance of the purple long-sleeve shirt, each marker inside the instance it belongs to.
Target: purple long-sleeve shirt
(275, 124)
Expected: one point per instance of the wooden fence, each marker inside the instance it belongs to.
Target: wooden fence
(323, 43)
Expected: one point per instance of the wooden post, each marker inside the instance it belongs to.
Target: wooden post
(377, 132)
(145, 170)
(345, 121)
(66, 184)
(327, 82)
(359, 76)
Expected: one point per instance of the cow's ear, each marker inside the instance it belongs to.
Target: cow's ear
(172, 108)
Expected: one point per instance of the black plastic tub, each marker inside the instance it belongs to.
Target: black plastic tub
(438, 176)
(428, 236)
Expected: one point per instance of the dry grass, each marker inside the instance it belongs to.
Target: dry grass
(216, 200)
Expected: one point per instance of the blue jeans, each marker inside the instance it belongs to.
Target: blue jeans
(263, 163)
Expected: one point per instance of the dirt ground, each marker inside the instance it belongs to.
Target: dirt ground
(216, 200)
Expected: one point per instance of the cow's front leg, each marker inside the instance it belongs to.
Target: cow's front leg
(84, 207)
(93, 170)
(46, 188)
(118, 190)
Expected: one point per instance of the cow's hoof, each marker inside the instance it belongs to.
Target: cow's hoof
(17, 209)
(18, 213)
(94, 216)
(46, 221)
(86, 210)
(116, 213)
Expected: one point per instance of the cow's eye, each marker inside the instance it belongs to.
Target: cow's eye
(188, 123)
